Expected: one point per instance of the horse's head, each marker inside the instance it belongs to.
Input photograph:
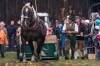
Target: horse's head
(28, 14)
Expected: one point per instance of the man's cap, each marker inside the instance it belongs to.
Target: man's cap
(77, 17)
(71, 18)
(86, 21)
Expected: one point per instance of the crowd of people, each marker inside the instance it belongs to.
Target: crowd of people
(7, 36)
(75, 34)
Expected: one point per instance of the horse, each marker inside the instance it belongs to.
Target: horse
(32, 29)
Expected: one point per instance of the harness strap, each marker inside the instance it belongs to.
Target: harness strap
(36, 25)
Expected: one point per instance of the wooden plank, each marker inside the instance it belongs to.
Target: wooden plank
(48, 39)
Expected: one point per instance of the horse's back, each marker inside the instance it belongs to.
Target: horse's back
(43, 27)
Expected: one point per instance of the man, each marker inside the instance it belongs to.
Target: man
(3, 38)
(18, 31)
(80, 38)
(58, 24)
(18, 24)
(11, 35)
(63, 37)
(82, 20)
(71, 29)
(87, 38)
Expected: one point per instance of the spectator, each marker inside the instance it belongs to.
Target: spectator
(71, 30)
(11, 35)
(3, 27)
(82, 20)
(5, 30)
(93, 25)
(57, 29)
(60, 44)
(63, 36)
(80, 38)
(97, 38)
(18, 24)
(3, 38)
(98, 46)
(87, 38)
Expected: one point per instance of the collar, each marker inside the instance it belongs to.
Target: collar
(70, 23)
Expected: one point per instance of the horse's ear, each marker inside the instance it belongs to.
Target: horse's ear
(30, 3)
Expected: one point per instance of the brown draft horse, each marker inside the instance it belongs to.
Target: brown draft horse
(32, 29)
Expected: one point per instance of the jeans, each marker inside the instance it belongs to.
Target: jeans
(88, 45)
(2, 50)
(11, 43)
(98, 55)
(61, 48)
(4, 47)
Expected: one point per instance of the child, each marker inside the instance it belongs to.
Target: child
(3, 39)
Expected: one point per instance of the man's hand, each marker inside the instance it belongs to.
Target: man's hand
(81, 34)
(63, 31)
(69, 32)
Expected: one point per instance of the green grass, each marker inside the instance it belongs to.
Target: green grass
(11, 60)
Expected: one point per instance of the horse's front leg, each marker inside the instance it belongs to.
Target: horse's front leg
(39, 48)
(32, 49)
(24, 50)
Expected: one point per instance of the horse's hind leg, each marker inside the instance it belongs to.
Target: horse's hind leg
(32, 49)
(39, 48)
(24, 49)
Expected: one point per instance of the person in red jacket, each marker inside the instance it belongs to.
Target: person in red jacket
(3, 39)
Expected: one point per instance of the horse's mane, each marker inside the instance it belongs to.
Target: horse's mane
(31, 7)
(28, 4)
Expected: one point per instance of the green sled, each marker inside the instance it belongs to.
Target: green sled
(49, 50)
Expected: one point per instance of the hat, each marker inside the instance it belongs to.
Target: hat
(86, 21)
(2, 23)
(97, 27)
(77, 17)
(71, 18)
(97, 22)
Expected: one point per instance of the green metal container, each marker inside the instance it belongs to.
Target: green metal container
(49, 50)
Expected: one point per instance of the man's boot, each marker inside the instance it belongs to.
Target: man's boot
(66, 54)
(72, 57)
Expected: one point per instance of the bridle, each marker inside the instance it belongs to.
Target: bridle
(30, 22)
(27, 27)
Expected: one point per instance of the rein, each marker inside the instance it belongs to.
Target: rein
(33, 27)
(25, 25)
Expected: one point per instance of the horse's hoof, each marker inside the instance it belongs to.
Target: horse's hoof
(33, 58)
(24, 61)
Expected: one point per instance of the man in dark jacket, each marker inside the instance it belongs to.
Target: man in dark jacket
(18, 24)
(11, 29)
(80, 38)
(87, 39)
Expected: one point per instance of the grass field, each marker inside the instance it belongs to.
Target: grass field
(11, 60)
